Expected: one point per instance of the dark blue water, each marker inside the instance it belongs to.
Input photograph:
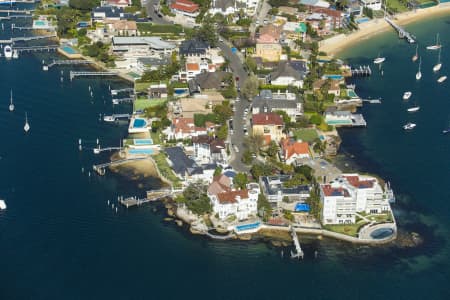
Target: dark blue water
(60, 240)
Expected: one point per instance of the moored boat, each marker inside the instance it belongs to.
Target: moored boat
(379, 60)
(438, 66)
(7, 51)
(442, 79)
(2, 204)
(416, 56)
(445, 131)
(419, 73)
(407, 95)
(409, 126)
(26, 127)
(413, 109)
(435, 46)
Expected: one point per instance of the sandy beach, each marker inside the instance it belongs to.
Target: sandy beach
(335, 44)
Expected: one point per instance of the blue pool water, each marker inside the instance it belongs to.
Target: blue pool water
(339, 122)
(180, 91)
(362, 20)
(141, 151)
(301, 207)
(139, 123)
(351, 93)
(381, 233)
(247, 226)
(40, 22)
(69, 50)
(338, 77)
(142, 142)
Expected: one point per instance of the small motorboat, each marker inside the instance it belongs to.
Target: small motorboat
(436, 46)
(419, 73)
(407, 95)
(409, 126)
(26, 127)
(2, 204)
(442, 79)
(445, 131)
(379, 60)
(413, 109)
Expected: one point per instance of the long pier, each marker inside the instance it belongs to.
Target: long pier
(15, 17)
(299, 252)
(98, 150)
(23, 11)
(402, 33)
(100, 168)
(27, 38)
(68, 62)
(36, 48)
(74, 74)
(151, 196)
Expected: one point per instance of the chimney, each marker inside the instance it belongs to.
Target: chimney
(267, 117)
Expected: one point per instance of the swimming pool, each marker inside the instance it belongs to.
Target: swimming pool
(180, 91)
(351, 94)
(333, 76)
(362, 20)
(139, 123)
(142, 142)
(247, 226)
(40, 23)
(339, 122)
(141, 151)
(381, 233)
(69, 50)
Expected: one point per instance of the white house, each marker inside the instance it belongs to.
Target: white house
(352, 193)
(141, 46)
(372, 4)
(239, 203)
(208, 149)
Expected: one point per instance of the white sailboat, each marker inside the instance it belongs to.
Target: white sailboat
(413, 109)
(435, 46)
(26, 127)
(419, 73)
(407, 95)
(15, 54)
(2, 204)
(379, 59)
(416, 56)
(11, 104)
(442, 79)
(438, 66)
(409, 126)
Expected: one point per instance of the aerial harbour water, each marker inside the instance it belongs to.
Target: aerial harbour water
(59, 238)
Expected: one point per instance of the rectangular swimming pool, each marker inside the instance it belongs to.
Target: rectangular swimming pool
(139, 123)
(143, 142)
(141, 151)
(247, 226)
(69, 50)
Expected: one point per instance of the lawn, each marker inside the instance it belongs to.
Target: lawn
(143, 103)
(347, 229)
(396, 6)
(141, 87)
(307, 135)
(381, 218)
(165, 169)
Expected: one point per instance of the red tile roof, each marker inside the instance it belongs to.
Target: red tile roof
(230, 197)
(185, 125)
(328, 190)
(360, 184)
(192, 67)
(185, 5)
(290, 148)
(267, 119)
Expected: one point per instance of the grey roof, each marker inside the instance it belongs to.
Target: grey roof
(266, 99)
(112, 12)
(224, 4)
(154, 61)
(209, 80)
(285, 69)
(272, 189)
(181, 163)
(194, 46)
(152, 41)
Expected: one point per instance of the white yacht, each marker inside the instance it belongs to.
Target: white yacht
(26, 127)
(2, 204)
(15, 54)
(413, 109)
(407, 95)
(442, 79)
(435, 46)
(11, 104)
(409, 126)
(109, 119)
(419, 73)
(379, 60)
(438, 66)
(7, 51)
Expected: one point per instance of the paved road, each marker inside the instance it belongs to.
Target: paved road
(263, 10)
(237, 138)
(150, 6)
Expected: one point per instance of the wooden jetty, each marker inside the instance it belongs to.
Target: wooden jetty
(27, 38)
(101, 168)
(122, 100)
(361, 71)
(36, 48)
(67, 62)
(125, 90)
(115, 117)
(153, 195)
(402, 33)
(372, 101)
(74, 74)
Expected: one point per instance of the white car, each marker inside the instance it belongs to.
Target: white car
(236, 149)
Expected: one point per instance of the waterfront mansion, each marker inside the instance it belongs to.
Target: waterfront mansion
(349, 194)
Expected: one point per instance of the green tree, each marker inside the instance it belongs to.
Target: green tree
(222, 132)
(196, 198)
(240, 180)
(264, 208)
(247, 157)
(261, 169)
(254, 142)
(272, 149)
(217, 171)
(207, 32)
(84, 4)
(250, 87)
(251, 63)
(316, 119)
